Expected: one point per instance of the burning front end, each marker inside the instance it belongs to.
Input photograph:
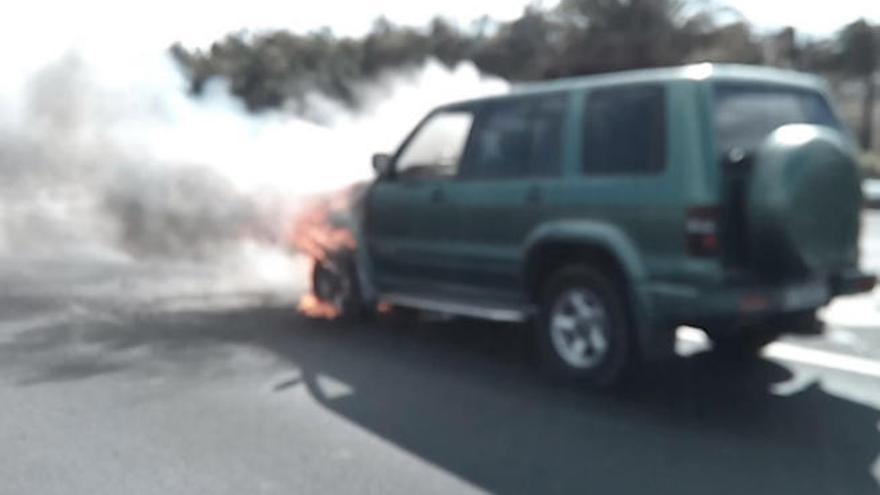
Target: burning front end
(329, 231)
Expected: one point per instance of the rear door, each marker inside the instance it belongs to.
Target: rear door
(409, 222)
(515, 150)
(622, 177)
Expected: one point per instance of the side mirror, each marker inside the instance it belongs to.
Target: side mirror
(381, 164)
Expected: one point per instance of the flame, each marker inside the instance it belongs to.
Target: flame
(312, 307)
(314, 235)
(313, 232)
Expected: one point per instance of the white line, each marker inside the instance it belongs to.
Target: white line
(841, 362)
(796, 354)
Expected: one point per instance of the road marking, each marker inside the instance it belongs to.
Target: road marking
(860, 311)
(333, 388)
(784, 351)
(831, 360)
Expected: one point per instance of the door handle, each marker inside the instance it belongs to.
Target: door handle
(533, 196)
(438, 195)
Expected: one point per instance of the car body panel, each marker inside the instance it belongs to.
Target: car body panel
(476, 238)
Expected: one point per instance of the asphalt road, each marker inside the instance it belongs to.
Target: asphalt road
(182, 378)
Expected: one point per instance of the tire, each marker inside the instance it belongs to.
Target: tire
(751, 340)
(335, 282)
(800, 323)
(588, 341)
(746, 344)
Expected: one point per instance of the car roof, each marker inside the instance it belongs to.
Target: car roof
(697, 73)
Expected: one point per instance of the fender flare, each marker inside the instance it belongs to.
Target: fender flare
(622, 249)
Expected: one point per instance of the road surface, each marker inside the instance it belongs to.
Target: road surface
(157, 378)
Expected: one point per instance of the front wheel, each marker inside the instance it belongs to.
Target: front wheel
(335, 283)
(583, 330)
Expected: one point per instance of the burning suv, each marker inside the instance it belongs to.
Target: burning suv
(610, 210)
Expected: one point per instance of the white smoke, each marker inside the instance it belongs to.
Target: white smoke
(98, 153)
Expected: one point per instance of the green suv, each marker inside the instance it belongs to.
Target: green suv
(610, 210)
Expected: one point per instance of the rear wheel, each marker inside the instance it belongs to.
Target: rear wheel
(583, 329)
(747, 343)
(799, 323)
(751, 340)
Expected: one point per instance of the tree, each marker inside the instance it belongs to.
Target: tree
(859, 56)
(283, 69)
(731, 43)
(448, 43)
(607, 35)
(521, 50)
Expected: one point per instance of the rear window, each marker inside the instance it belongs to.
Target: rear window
(745, 114)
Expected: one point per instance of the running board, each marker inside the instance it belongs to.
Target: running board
(496, 312)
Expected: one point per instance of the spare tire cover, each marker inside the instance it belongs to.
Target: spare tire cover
(804, 202)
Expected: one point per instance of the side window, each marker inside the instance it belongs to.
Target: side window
(435, 150)
(625, 131)
(520, 138)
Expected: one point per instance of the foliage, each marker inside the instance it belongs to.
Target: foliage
(579, 37)
(859, 56)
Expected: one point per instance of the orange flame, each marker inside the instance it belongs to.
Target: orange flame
(314, 235)
(312, 307)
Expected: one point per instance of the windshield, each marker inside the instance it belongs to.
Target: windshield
(745, 114)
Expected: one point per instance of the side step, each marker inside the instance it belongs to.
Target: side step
(486, 311)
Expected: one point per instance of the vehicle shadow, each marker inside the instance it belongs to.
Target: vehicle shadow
(698, 425)
(465, 397)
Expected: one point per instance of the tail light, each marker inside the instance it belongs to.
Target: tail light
(701, 231)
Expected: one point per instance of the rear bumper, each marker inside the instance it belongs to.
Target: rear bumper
(680, 304)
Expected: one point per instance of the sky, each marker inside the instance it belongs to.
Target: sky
(815, 17)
